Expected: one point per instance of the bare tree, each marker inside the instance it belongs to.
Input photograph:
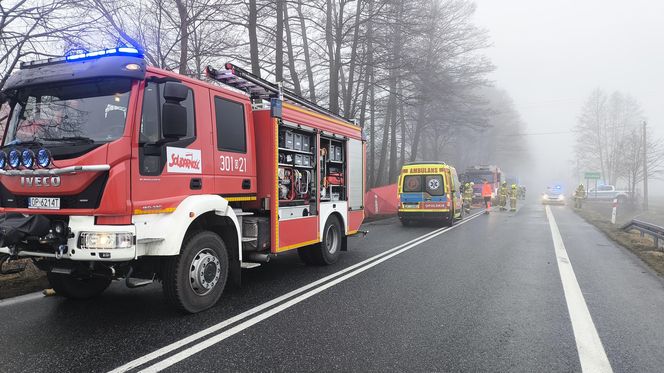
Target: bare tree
(29, 30)
(604, 122)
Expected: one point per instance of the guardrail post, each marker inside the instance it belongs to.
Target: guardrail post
(613, 213)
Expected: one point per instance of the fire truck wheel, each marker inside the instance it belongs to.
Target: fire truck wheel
(194, 280)
(77, 288)
(328, 251)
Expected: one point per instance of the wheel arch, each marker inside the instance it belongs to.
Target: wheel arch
(164, 234)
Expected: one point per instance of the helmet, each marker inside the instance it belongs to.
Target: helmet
(581, 185)
(467, 184)
(472, 183)
(513, 186)
(504, 182)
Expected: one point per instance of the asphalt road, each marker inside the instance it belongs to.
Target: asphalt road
(491, 294)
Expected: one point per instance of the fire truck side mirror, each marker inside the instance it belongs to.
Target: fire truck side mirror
(173, 114)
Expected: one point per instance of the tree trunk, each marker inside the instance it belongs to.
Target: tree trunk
(372, 130)
(334, 71)
(291, 55)
(419, 126)
(253, 39)
(382, 160)
(394, 68)
(305, 48)
(402, 119)
(352, 62)
(279, 51)
(184, 35)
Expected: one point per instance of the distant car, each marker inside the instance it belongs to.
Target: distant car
(607, 193)
(553, 195)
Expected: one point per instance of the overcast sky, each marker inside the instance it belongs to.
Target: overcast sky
(550, 55)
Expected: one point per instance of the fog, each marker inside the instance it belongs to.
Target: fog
(549, 56)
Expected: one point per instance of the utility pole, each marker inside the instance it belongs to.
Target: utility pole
(645, 168)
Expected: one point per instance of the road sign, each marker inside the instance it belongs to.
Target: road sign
(592, 175)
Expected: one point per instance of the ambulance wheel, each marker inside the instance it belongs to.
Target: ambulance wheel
(328, 251)
(194, 280)
(450, 218)
(73, 287)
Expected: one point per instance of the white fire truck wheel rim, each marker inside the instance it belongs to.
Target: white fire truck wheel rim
(204, 271)
(331, 239)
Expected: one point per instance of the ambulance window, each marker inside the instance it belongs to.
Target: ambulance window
(412, 183)
(231, 132)
(434, 185)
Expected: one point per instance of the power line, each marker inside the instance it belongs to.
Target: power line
(538, 133)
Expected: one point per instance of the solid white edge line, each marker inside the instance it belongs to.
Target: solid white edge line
(588, 344)
(250, 322)
(21, 299)
(215, 328)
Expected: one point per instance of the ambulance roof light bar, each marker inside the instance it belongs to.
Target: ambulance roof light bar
(259, 88)
(120, 51)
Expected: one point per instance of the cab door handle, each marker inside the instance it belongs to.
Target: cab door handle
(195, 184)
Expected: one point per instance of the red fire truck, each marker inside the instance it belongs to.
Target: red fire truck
(477, 174)
(111, 169)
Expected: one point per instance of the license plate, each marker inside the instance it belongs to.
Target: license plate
(44, 203)
(433, 205)
(410, 205)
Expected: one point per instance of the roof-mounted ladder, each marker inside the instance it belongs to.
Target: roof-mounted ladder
(261, 89)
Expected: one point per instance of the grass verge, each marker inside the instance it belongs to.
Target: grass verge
(643, 247)
(28, 281)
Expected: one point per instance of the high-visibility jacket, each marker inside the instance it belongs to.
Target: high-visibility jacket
(487, 190)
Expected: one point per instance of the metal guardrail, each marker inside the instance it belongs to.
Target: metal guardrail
(653, 230)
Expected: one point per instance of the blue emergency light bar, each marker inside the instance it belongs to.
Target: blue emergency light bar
(120, 51)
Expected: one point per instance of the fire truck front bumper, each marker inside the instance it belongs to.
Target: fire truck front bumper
(78, 238)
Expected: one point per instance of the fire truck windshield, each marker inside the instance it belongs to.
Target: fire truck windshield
(70, 112)
(478, 178)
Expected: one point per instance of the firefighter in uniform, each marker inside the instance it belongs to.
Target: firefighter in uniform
(579, 195)
(467, 196)
(487, 193)
(513, 194)
(502, 196)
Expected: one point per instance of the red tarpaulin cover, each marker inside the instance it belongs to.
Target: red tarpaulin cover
(381, 201)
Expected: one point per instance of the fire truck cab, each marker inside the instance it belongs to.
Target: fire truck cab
(111, 169)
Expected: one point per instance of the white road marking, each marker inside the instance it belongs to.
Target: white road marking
(356, 269)
(21, 299)
(255, 320)
(589, 346)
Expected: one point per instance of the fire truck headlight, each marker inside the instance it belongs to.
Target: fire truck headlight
(14, 158)
(28, 158)
(43, 158)
(105, 240)
(3, 160)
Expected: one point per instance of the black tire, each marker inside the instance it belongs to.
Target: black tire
(73, 287)
(328, 251)
(194, 280)
(450, 218)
